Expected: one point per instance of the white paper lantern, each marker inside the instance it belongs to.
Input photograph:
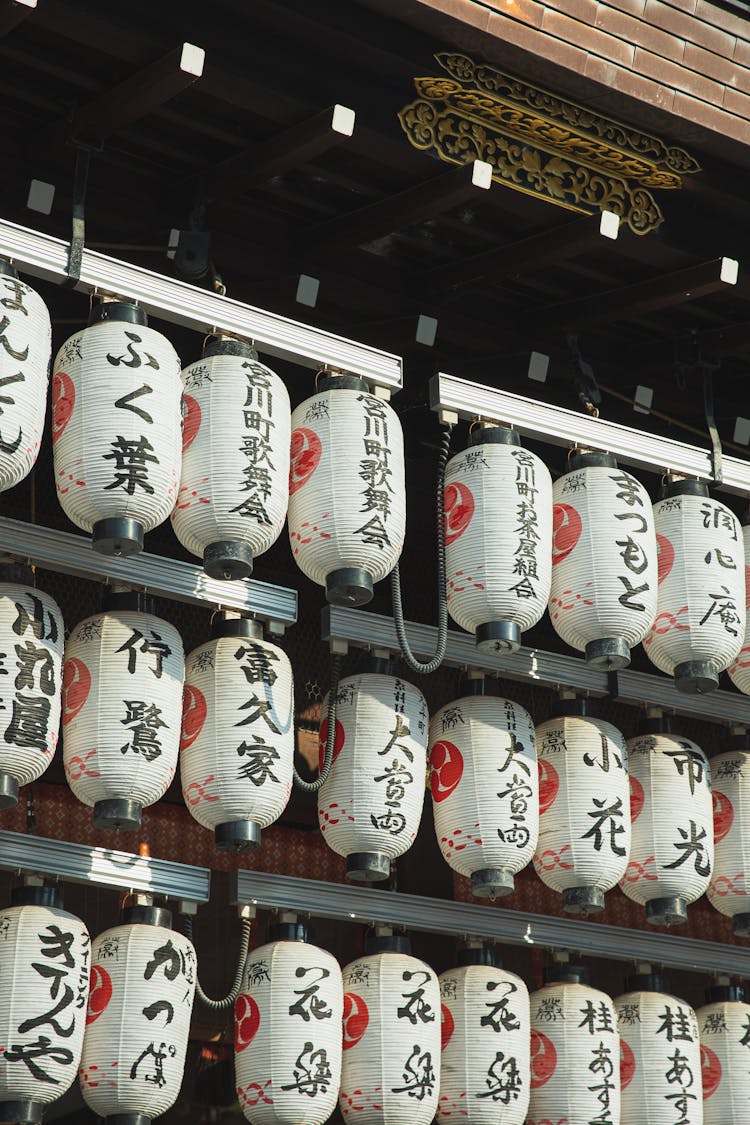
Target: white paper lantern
(661, 1062)
(390, 1072)
(700, 621)
(234, 485)
(44, 987)
(116, 427)
(739, 669)
(237, 747)
(371, 803)
(124, 674)
(575, 1052)
(31, 639)
(498, 534)
(604, 563)
(724, 1030)
(672, 844)
(26, 340)
(485, 790)
(287, 1032)
(584, 807)
(730, 886)
(485, 1062)
(142, 987)
(347, 499)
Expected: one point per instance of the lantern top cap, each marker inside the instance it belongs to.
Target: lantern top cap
(655, 724)
(7, 269)
(227, 345)
(245, 627)
(287, 931)
(18, 573)
(124, 311)
(127, 600)
(48, 897)
(578, 707)
(339, 381)
(718, 993)
(566, 974)
(146, 916)
(387, 943)
(492, 433)
(591, 459)
(478, 955)
(646, 982)
(683, 487)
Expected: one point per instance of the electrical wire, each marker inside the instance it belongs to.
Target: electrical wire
(314, 786)
(229, 999)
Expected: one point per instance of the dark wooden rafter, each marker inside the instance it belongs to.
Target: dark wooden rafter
(12, 12)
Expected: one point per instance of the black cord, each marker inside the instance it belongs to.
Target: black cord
(314, 786)
(229, 999)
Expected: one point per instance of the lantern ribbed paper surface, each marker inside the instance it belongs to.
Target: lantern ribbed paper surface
(44, 985)
(390, 1072)
(138, 1020)
(730, 886)
(485, 1062)
(485, 790)
(24, 364)
(122, 707)
(234, 485)
(116, 428)
(371, 803)
(31, 636)
(575, 1056)
(287, 1035)
(739, 669)
(498, 524)
(700, 621)
(724, 1030)
(672, 845)
(584, 806)
(237, 747)
(661, 1064)
(347, 499)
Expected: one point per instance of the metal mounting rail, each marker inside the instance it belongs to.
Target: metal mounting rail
(449, 395)
(44, 256)
(441, 916)
(547, 669)
(79, 863)
(168, 578)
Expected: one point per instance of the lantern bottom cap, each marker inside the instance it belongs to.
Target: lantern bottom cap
(128, 1119)
(228, 560)
(352, 585)
(696, 677)
(117, 536)
(492, 882)
(666, 911)
(583, 900)
(367, 867)
(741, 925)
(608, 654)
(8, 791)
(498, 637)
(22, 1112)
(237, 835)
(120, 813)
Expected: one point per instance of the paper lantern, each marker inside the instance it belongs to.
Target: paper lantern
(122, 706)
(44, 985)
(485, 790)
(287, 1031)
(730, 886)
(234, 485)
(700, 621)
(370, 806)
(498, 534)
(142, 987)
(31, 639)
(347, 499)
(672, 846)
(584, 807)
(485, 1064)
(739, 669)
(25, 336)
(575, 1052)
(116, 427)
(390, 1072)
(724, 1030)
(661, 1061)
(604, 563)
(237, 746)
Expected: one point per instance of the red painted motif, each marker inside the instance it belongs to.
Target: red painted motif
(549, 784)
(100, 993)
(458, 503)
(723, 815)
(566, 531)
(63, 401)
(723, 886)
(79, 767)
(246, 1021)
(637, 797)
(194, 711)
(447, 1026)
(549, 859)
(627, 1065)
(356, 1019)
(447, 767)
(76, 685)
(338, 741)
(191, 421)
(197, 791)
(710, 1071)
(664, 557)
(543, 1059)
(306, 451)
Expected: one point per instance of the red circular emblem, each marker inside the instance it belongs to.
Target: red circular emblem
(566, 531)
(447, 1026)
(447, 764)
(664, 557)
(627, 1065)
(710, 1071)
(338, 741)
(549, 783)
(194, 710)
(543, 1059)
(100, 992)
(246, 1021)
(637, 797)
(458, 503)
(191, 420)
(76, 685)
(63, 401)
(356, 1019)
(305, 453)
(723, 815)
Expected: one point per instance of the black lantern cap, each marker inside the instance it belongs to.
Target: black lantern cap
(225, 345)
(287, 931)
(7, 269)
(387, 943)
(136, 600)
(342, 382)
(124, 311)
(591, 459)
(683, 488)
(22, 1112)
(478, 955)
(49, 897)
(494, 435)
(566, 974)
(146, 916)
(646, 982)
(718, 993)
